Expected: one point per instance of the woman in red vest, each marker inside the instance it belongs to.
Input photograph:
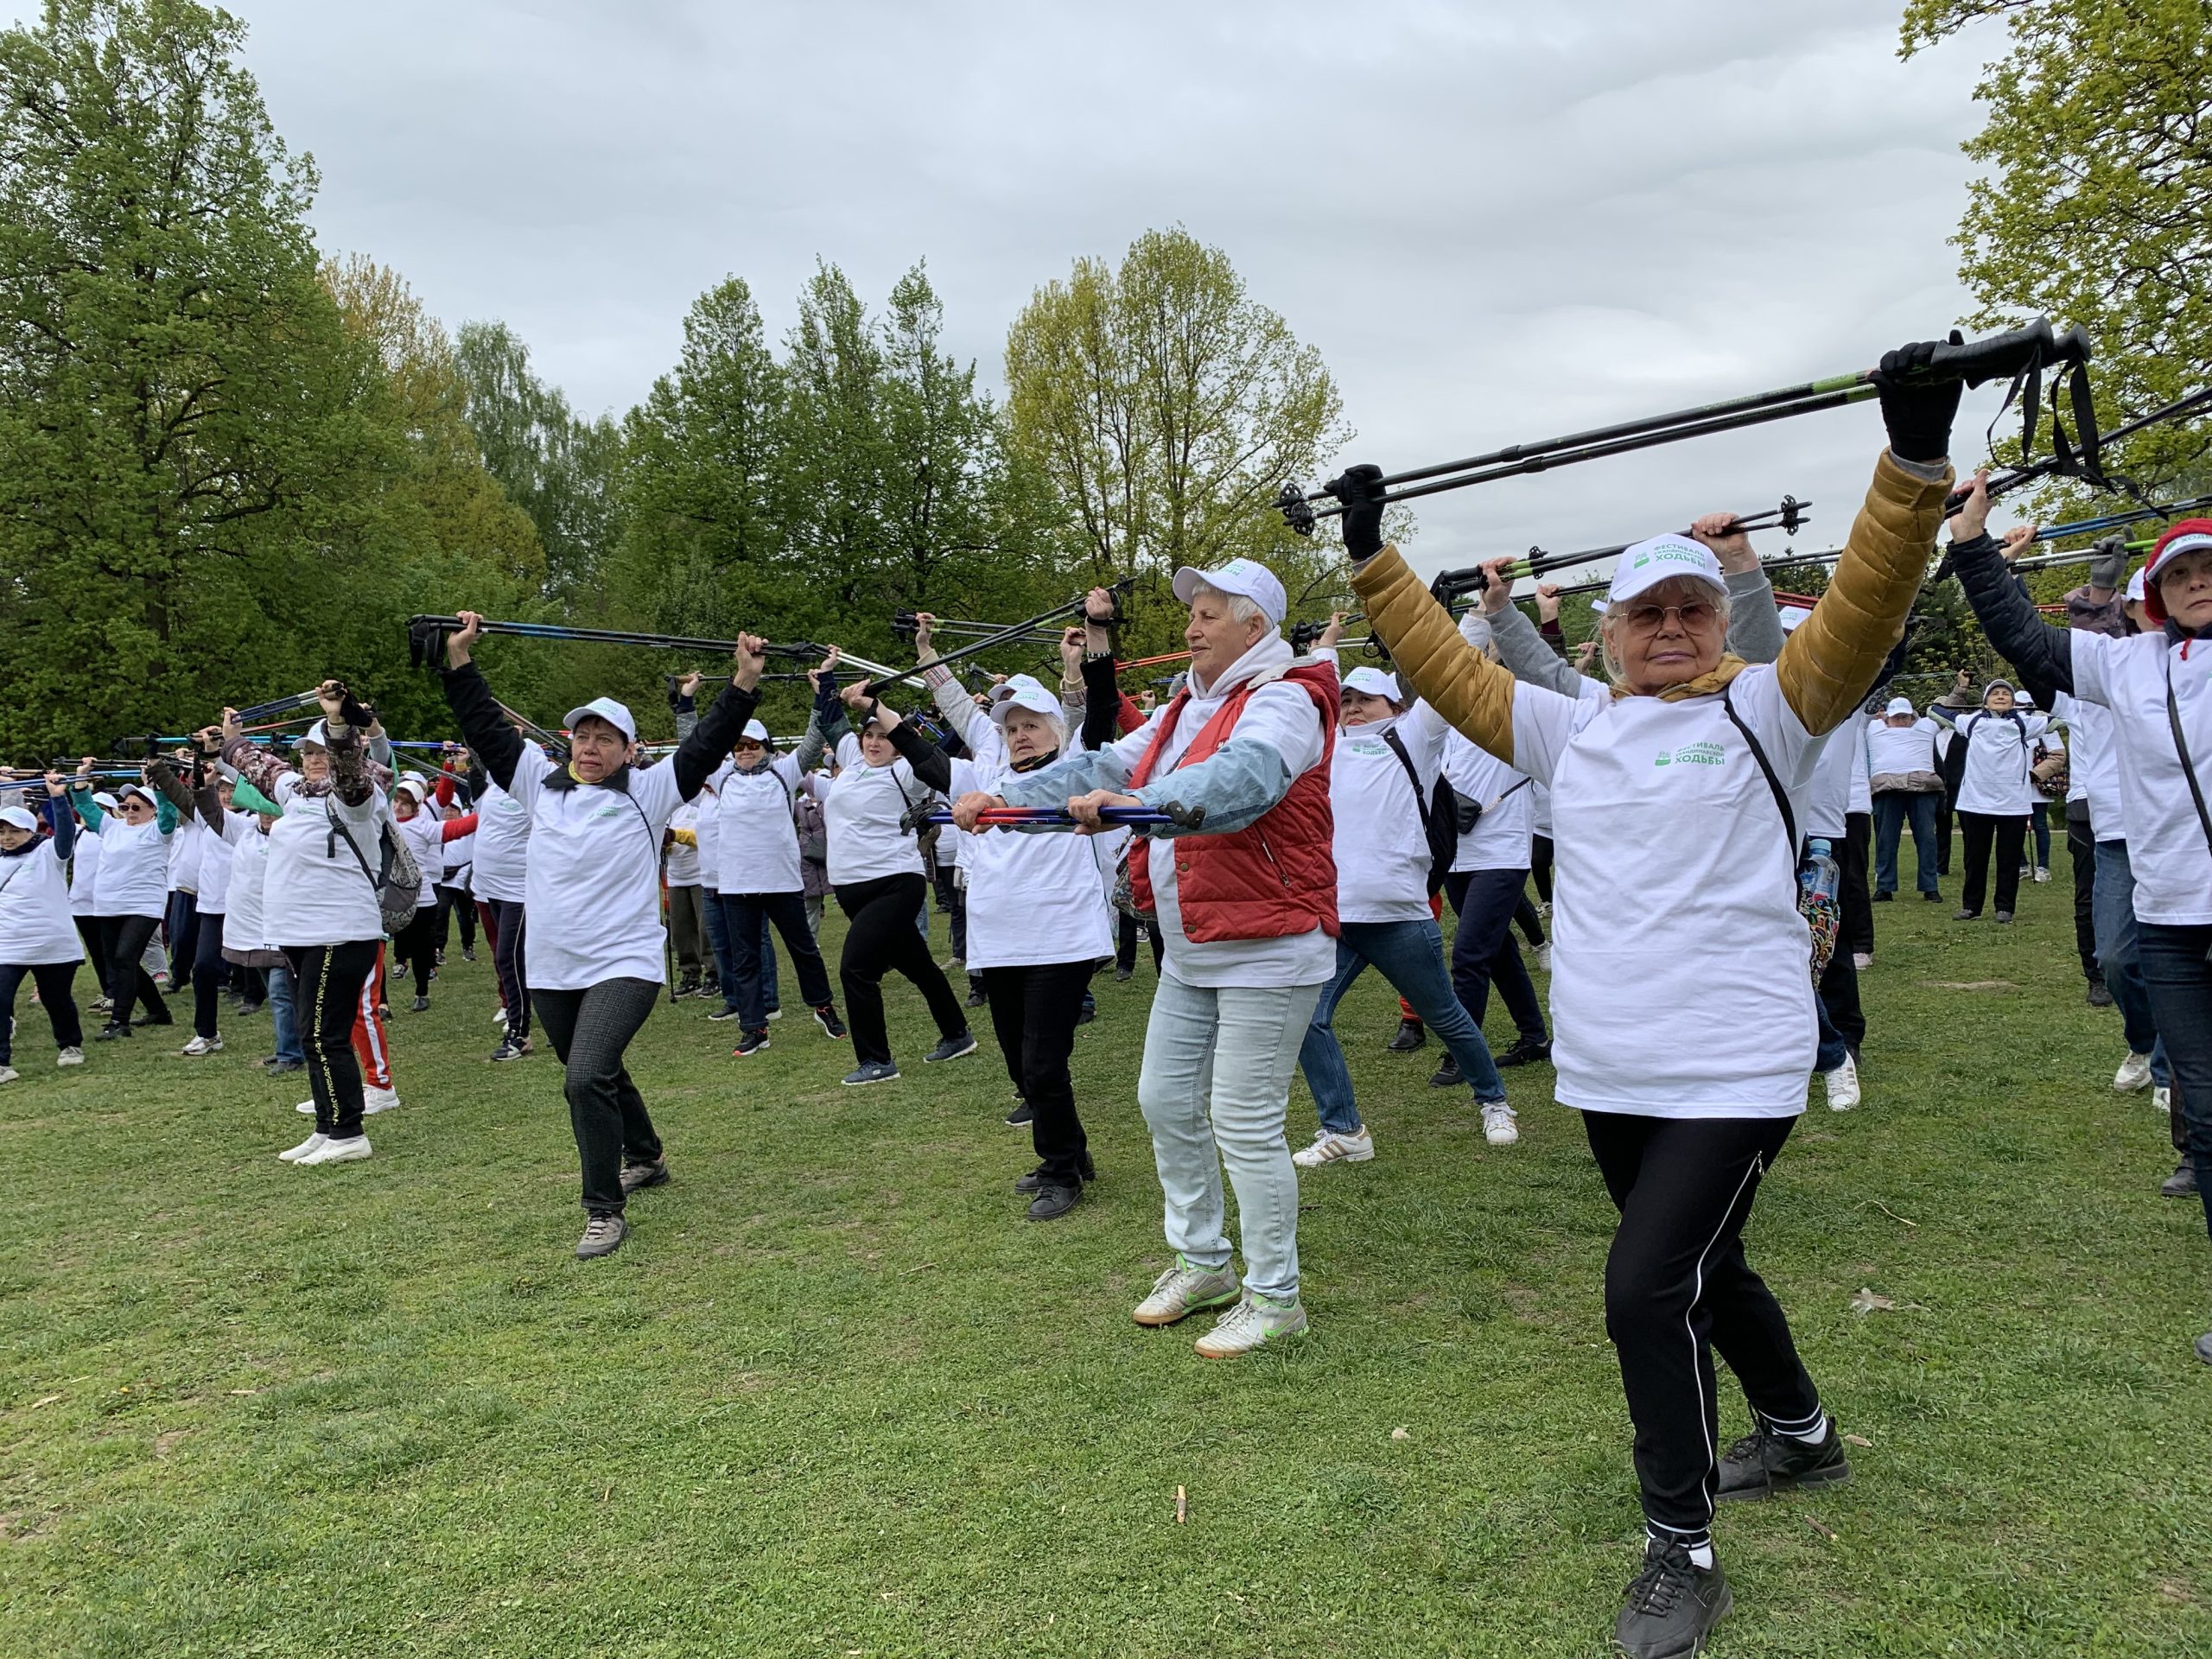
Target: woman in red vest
(1247, 902)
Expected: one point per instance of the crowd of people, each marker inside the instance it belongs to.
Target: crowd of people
(1753, 762)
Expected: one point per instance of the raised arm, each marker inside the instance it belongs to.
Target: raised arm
(1474, 694)
(710, 742)
(1520, 647)
(483, 727)
(2043, 655)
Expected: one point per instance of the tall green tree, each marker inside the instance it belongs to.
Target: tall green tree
(2095, 200)
(179, 400)
(1168, 407)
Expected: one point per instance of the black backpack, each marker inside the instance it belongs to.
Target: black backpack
(1439, 817)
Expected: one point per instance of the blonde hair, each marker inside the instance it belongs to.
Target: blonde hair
(1609, 624)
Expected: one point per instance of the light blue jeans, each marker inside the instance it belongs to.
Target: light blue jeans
(2112, 916)
(284, 1016)
(1411, 956)
(1215, 1088)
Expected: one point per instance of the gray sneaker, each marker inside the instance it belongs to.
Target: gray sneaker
(1251, 1323)
(603, 1235)
(636, 1177)
(1184, 1289)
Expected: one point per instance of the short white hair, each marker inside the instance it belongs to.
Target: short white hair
(1241, 608)
(1060, 727)
(1610, 621)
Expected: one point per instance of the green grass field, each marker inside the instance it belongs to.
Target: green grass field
(837, 1397)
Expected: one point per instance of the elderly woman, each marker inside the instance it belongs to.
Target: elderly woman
(1992, 749)
(1247, 900)
(133, 891)
(1907, 778)
(1683, 1007)
(2158, 687)
(38, 940)
(1039, 922)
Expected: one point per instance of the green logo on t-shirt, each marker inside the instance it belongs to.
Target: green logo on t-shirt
(1693, 754)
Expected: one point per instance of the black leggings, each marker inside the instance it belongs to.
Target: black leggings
(53, 980)
(1540, 865)
(123, 942)
(327, 981)
(1127, 929)
(883, 940)
(508, 923)
(1677, 1286)
(2007, 836)
(88, 929)
(455, 906)
(590, 1030)
(417, 945)
(1033, 1011)
(208, 971)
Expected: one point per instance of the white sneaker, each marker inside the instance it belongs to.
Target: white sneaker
(70, 1056)
(1862, 960)
(305, 1109)
(1843, 1086)
(1330, 1146)
(1500, 1128)
(378, 1100)
(2134, 1072)
(2163, 1098)
(1544, 957)
(499, 1017)
(1254, 1322)
(336, 1152)
(200, 1046)
(2042, 872)
(8, 1074)
(313, 1143)
(773, 1013)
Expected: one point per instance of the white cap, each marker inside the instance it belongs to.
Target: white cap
(106, 802)
(1898, 706)
(414, 776)
(1373, 683)
(139, 790)
(2135, 587)
(2024, 699)
(1031, 697)
(1013, 682)
(1246, 576)
(1795, 617)
(608, 710)
(415, 787)
(1651, 563)
(755, 730)
(18, 815)
(1598, 607)
(316, 735)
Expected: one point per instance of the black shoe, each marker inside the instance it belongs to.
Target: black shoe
(2181, 1184)
(246, 1008)
(826, 1017)
(1671, 1607)
(637, 1176)
(710, 986)
(469, 953)
(1023, 1113)
(976, 995)
(280, 1068)
(1524, 1052)
(422, 1005)
(1121, 976)
(950, 1049)
(109, 1033)
(1411, 1034)
(1884, 898)
(1088, 1013)
(751, 1043)
(724, 1013)
(1763, 1463)
(511, 1048)
(2099, 995)
(156, 1019)
(1034, 1181)
(1965, 915)
(1054, 1201)
(1447, 1075)
(2004, 917)
(1932, 898)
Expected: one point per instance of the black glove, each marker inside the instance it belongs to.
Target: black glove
(1360, 489)
(1918, 416)
(2108, 564)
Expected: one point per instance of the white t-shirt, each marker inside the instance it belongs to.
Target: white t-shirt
(1500, 839)
(1828, 796)
(862, 812)
(1381, 851)
(425, 837)
(315, 891)
(683, 861)
(84, 874)
(246, 921)
(1032, 898)
(185, 843)
(1681, 982)
(1848, 736)
(756, 838)
(35, 930)
(134, 878)
(1280, 715)
(215, 872)
(593, 892)
(1901, 749)
(501, 868)
(2165, 838)
(2093, 765)
(2000, 748)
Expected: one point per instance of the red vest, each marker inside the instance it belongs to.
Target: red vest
(1277, 876)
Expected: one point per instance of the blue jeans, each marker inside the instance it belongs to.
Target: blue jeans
(2177, 965)
(2039, 821)
(1892, 810)
(283, 1016)
(1411, 956)
(1214, 1088)
(726, 969)
(2119, 954)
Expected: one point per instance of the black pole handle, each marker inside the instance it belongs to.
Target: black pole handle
(2002, 357)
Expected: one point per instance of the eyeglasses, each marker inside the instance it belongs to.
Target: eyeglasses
(1695, 615)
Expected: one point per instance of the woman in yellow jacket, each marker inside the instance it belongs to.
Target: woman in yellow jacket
(1682, 990)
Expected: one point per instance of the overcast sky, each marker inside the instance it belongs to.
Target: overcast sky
(1497, 221)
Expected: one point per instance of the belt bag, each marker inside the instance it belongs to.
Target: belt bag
(1908, 783)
